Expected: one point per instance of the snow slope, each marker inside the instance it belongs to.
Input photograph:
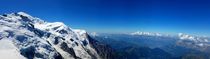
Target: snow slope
(7, 49)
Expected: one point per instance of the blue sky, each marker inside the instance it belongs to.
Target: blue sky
(165, 16)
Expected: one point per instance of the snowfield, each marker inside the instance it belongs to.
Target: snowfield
(9, 51)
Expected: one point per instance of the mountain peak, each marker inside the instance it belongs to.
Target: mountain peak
(79, 31)
(192, 38)
(186, 36)
(94, 34)
(23, 14)
(146, 33)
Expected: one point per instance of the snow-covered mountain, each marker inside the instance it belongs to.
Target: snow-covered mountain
(146, 33)
(94, 34)
(185, 40)
(25, 37)
(196, 42)
(192, 38)
(181, 36)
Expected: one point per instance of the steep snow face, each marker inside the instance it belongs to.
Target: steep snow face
(31, 37)
(83, 38)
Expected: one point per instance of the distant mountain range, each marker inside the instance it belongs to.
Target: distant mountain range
(147, 45)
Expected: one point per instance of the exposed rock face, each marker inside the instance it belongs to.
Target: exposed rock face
(105, 51)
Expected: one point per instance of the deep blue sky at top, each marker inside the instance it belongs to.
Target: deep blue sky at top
(167, 16)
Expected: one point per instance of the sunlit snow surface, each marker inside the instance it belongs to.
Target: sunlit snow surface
(9, 51)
